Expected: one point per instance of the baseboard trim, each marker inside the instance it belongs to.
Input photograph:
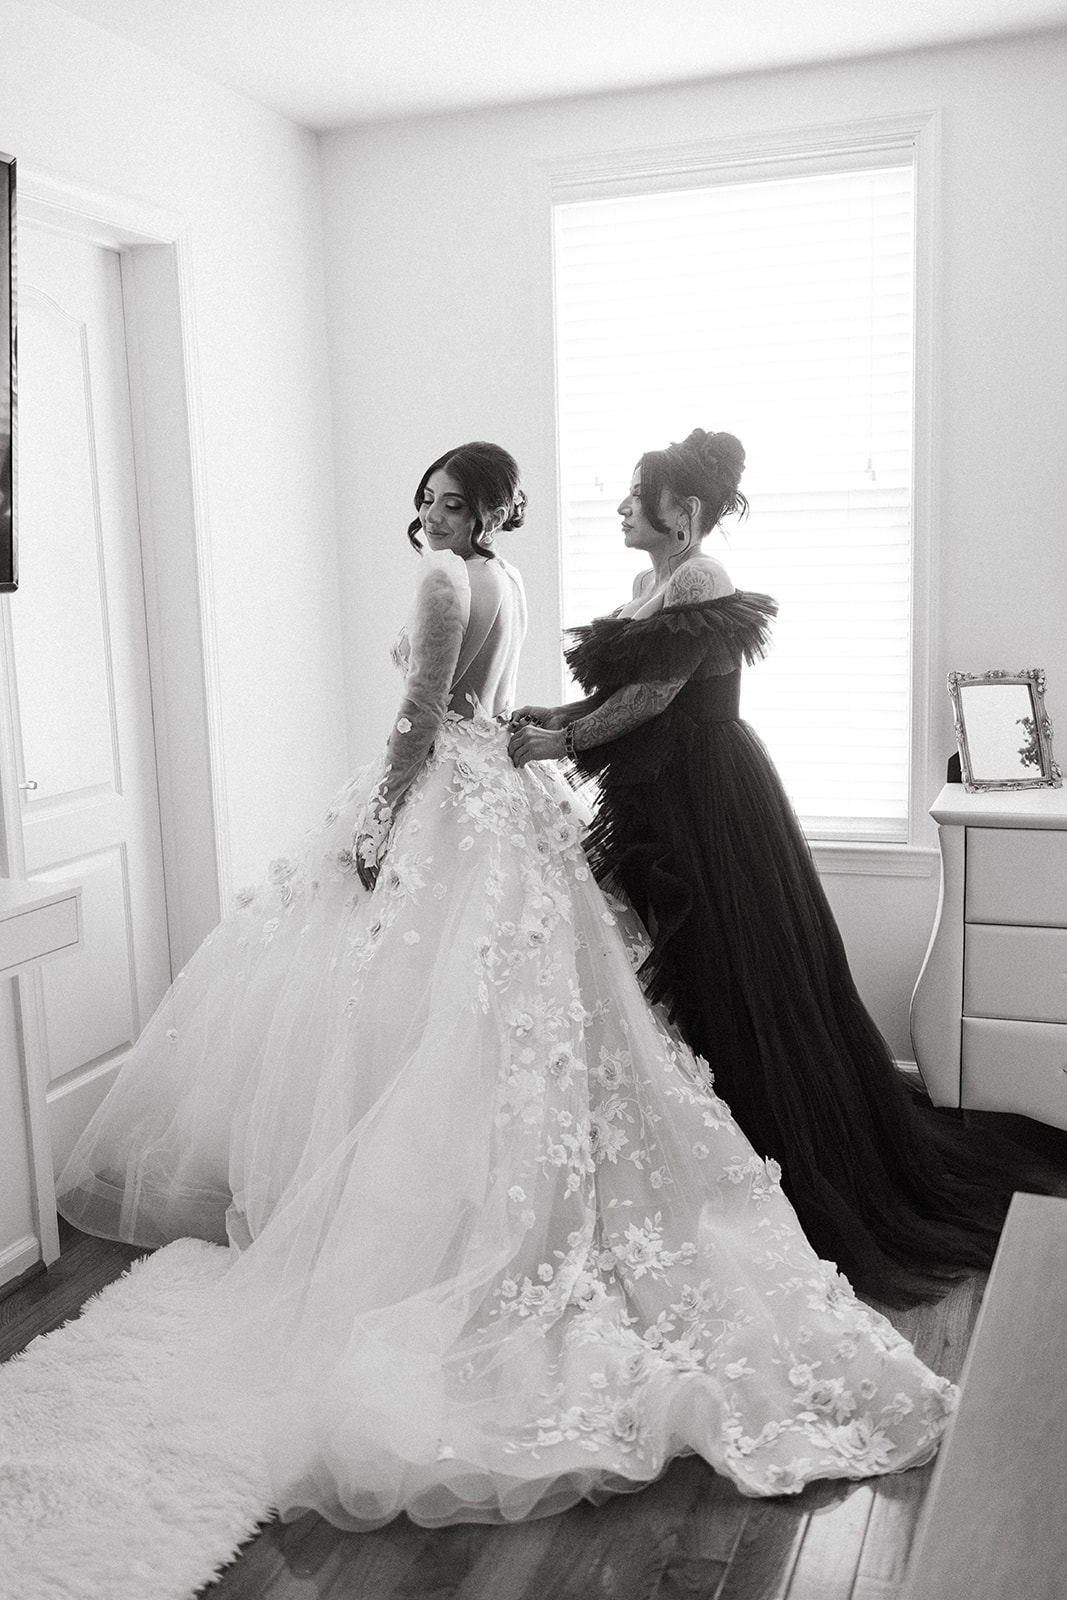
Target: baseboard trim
(909, 1070)
(19, 1257)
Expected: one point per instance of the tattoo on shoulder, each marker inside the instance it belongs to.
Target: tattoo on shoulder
(690, 584)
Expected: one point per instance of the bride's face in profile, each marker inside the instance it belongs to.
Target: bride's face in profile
(447, 520)
(637, 531)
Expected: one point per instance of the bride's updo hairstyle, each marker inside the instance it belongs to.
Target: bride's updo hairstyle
(489, 479)
(707, 466)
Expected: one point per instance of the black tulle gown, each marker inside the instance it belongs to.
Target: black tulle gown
(695, 828)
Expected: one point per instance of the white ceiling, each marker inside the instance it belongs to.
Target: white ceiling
(329, 63)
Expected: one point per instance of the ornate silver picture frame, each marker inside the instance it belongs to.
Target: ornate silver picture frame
(1003, 730)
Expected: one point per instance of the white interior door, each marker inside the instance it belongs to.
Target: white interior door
(90, 807)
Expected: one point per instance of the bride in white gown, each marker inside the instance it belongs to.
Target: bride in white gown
(497, 1246)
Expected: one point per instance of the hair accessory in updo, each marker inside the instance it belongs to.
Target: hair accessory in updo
(517, 515)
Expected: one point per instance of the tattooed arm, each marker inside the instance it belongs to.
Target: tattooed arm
(700, 579)
(626, 709)
(590, 724)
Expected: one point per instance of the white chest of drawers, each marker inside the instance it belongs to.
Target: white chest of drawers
(989, 1013)
(37, 922)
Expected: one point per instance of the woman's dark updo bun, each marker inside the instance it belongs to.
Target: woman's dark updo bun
(489, 479)
(707, 466)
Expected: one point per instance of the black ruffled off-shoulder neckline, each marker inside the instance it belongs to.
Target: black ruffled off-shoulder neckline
(714, 635)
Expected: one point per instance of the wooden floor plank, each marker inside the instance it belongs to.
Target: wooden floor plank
(890, 1534)
(940, 1331)
(692, 1579)
(826, 1562)
(442, 1562)
(709, 1536)
(767, 1551)
(716, 1517)
(507, 1564)
(312, 1564)
(265, 1559)
(43, 1303)
(378, 1564)
(249, 1574)
(618, 1550)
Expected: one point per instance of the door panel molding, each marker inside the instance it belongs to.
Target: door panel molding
(172, 509)
(79, 749)
(169, 456)
(92, 998)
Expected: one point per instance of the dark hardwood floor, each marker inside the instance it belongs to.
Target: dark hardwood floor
(689, 1535)
(45, 1300)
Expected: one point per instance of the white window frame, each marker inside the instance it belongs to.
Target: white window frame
(794, 152)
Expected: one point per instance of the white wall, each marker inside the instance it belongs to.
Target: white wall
(439, 302)
(85, 107)
(82, 107)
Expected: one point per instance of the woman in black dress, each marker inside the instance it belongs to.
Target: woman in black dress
(694, 827)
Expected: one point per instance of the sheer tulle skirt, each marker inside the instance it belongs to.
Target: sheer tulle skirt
(497, 1245)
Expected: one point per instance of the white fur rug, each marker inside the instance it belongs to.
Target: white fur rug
(104, 1494)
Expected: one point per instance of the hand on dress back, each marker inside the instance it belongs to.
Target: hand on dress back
(544, 716)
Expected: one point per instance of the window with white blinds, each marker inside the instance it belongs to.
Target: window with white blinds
(781, 310)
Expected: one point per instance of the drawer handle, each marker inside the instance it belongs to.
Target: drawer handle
(31, 783)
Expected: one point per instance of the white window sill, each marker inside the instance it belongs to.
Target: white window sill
(876, 860)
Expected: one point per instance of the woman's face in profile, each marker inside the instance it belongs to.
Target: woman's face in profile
(447, 520)
(637, 531)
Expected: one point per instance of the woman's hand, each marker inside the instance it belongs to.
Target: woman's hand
(544, 716)
(366, 866)
(528, 742)
(371, 839)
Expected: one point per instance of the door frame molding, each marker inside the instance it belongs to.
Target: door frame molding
(174, 518)
(172, 503)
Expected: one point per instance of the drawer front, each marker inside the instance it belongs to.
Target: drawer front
(1015, 1066)
(1015, 972)
(29, 935)
(1017, 875)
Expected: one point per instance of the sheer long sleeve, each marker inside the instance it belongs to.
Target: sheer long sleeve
(442, 608)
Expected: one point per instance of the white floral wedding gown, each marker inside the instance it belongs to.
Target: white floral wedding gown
(497, 1245)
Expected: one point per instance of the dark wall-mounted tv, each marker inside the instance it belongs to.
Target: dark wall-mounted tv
(9, 567)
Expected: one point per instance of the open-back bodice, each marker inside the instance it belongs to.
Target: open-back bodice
(493, 634)
(489, 656)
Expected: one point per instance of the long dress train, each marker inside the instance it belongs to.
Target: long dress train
(497, 1245)
(694, 827)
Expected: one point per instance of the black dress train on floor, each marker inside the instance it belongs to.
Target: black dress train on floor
(694, 827)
